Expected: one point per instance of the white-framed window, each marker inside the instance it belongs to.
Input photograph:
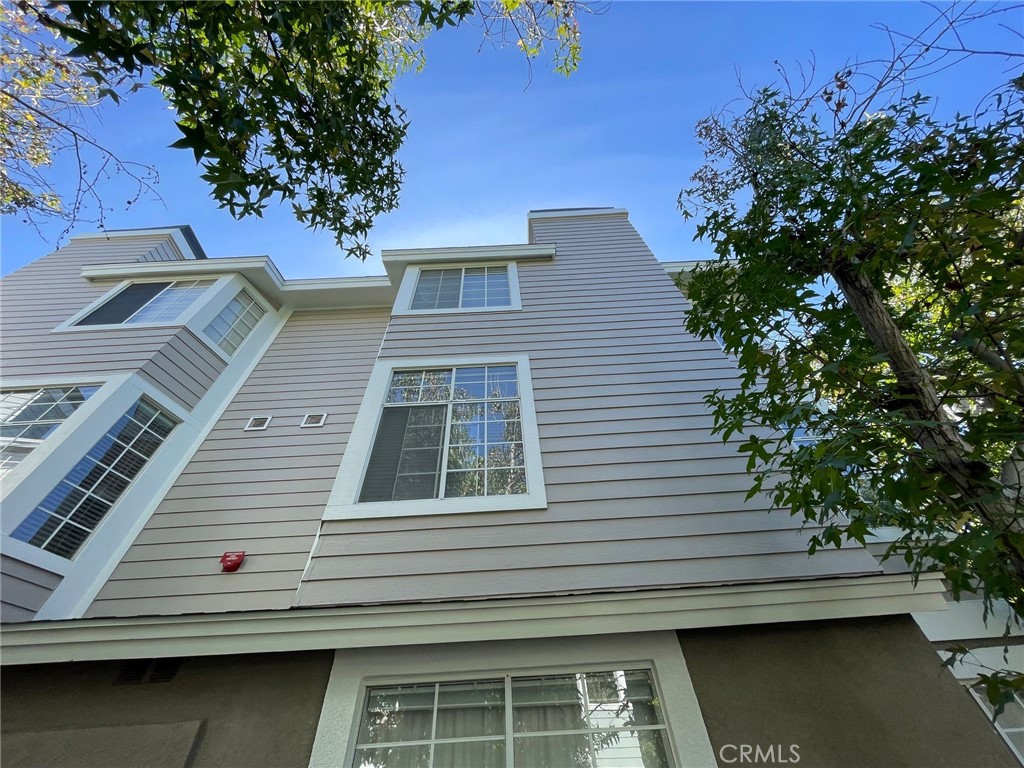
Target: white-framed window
(28, 416)
(437, 436)
(150, 302)
(235, 322)
(575, 719)
(590, 701)
(64, 519)
(459, 288)
(1010, 723)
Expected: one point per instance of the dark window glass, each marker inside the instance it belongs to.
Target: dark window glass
(123, 305)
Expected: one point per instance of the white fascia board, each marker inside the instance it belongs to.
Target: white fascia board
(176, 235)
(395, 261)
(576, 213)
(263, 274)
(466, 621)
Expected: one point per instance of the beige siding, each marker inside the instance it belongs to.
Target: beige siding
(23, 589)
(640, 493)
(262, 492)
(184, 368)
(42, 295)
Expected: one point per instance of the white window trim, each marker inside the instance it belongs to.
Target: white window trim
(411, 278)
(107, 385)
(249, 424)
(321, 415)
(24, 497)
(217, 298)
(69, 325)
(343, 503)
(356, 670)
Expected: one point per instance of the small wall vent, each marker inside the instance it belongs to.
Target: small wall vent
(139, 671)
(314, 420)
(257, 423)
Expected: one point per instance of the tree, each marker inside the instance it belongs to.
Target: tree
(277, 100)
(44, 100)
(870, 283)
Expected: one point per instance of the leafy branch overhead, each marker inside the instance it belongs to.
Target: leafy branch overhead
(288, 101)
(870, 283)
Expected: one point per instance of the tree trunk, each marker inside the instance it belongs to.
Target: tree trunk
(940, 439)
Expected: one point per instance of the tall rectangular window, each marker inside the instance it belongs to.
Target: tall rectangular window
(609, 719)
(28, 416)
(147, 303)
(236, 321)
(448, 432)
(462, 288)
(73, 509)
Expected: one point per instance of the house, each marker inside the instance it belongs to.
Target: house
(469, 513)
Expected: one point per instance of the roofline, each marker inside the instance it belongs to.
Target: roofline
(182, 234)
(263, 274)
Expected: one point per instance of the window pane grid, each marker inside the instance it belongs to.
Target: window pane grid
(170, 302)
(462, 287)
(73, 509)
(234, 323)
(479, 453)
(400, 725)
(29, 416)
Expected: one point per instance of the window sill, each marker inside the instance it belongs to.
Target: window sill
(457, 310)
(422, 507)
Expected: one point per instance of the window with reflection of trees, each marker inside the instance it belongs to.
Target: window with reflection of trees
(447, 433)
(577, 720)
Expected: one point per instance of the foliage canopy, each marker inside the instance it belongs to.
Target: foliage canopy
(281, 101)
(870, 283)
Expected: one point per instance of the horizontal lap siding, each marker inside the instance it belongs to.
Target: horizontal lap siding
(262, 492)
(184, 368)
(641, 494)
(42, 295)
(23, 589)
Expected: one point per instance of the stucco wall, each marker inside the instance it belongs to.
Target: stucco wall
(856, 693)
(223, 711)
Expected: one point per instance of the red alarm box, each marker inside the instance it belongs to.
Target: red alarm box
(230, 561)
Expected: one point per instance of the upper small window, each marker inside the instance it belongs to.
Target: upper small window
(462, 288)
(236, 321)
(147, 303)
(28, 416)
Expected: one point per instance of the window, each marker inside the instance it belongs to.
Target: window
(448, 432)
(147, 303)
(28, 416)
(462, 288)
(229, 328)
(1010, 723)
(575, 720)
(73, 509)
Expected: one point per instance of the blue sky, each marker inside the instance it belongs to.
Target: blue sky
(486, 144)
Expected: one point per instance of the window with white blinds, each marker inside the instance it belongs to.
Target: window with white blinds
(605, 719)
(78, 503)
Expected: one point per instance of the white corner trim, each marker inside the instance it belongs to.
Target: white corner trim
(102, 551)
(411, 278)
(466, 621)
(343, 502)
(354, 671)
